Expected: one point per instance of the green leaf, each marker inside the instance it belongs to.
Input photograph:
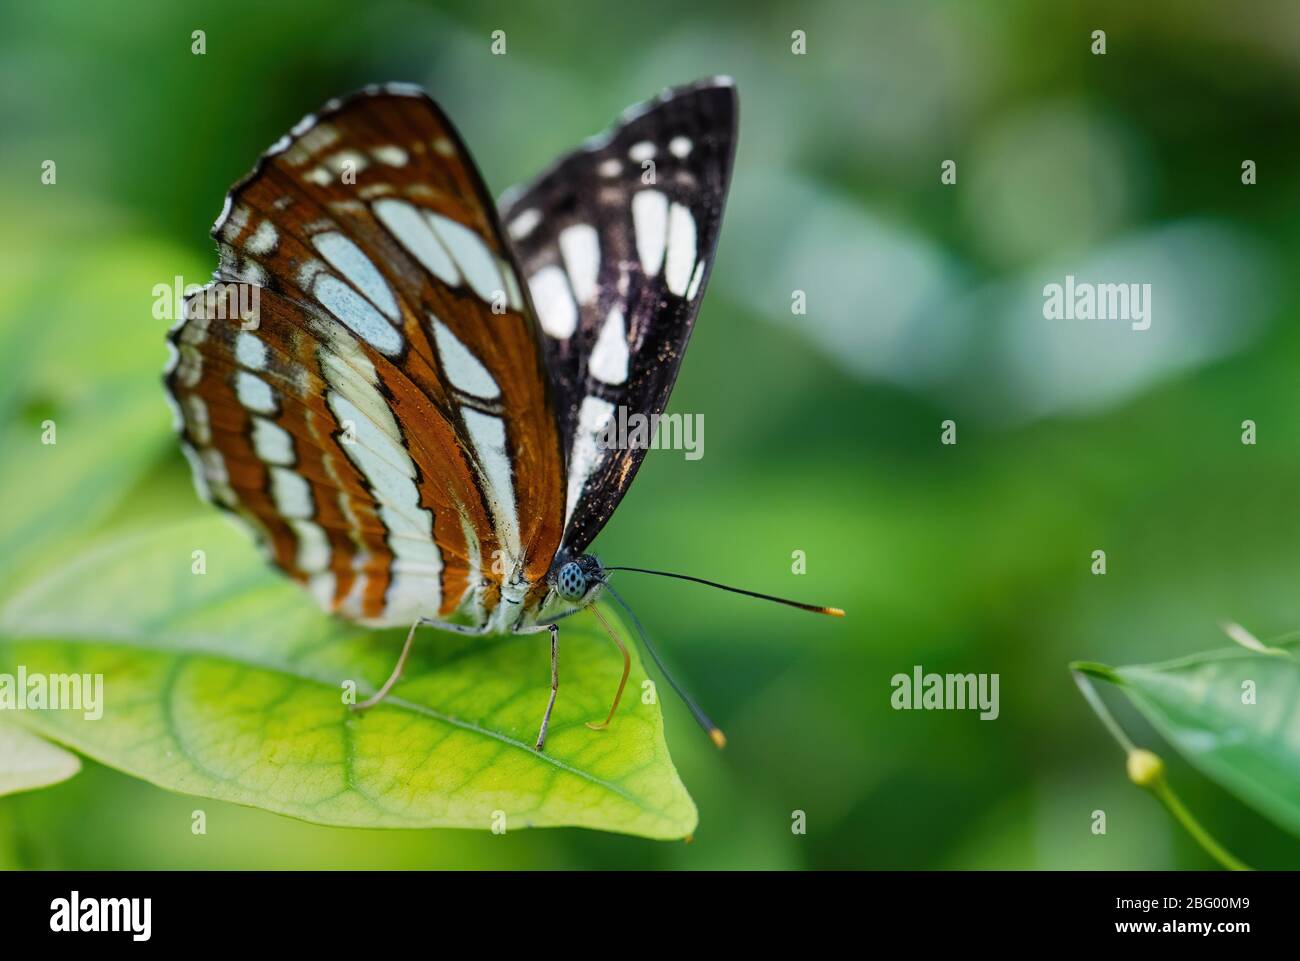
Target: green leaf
(229, 685)
(27, 761)
(1252, 750)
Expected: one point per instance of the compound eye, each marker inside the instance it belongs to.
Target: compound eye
(572, 582)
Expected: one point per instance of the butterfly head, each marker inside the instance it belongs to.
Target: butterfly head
(576, 581)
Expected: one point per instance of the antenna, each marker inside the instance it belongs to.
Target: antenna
(701, 718)
(814, 608)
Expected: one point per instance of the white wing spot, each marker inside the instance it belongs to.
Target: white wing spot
(650, 220)
(641, 152)
(390, 154)
(272, 442)
(196, 416)
(351, 261)
(216, 477)
(374, 430)
(679, 147)
(609, 357)
(414, 233)
(322, 587)
(358, 314)
(593, 416)
(351, 604)
(698, 276)
(263, 240)
(253, 273)
(313, 546)
(413, 591)
(610, 167)
(554, 302)
(249, 351)
(580, 247)
(189, 369)
(254, 393)
(342, 361)
(346, 160)
(525, 223)
(489, 436)
(291, 493)
(389, 470)
(471, 255)
(681, 249)
(464, 370)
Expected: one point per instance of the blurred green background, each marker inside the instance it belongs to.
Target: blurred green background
(822, 430)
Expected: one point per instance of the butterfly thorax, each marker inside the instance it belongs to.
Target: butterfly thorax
(512, 607)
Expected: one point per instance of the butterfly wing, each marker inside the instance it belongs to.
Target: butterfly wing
(386, 426)
(616, 242)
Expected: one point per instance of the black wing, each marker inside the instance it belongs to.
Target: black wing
(616, 241)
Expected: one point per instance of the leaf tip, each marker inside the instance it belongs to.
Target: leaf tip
(1249, 641)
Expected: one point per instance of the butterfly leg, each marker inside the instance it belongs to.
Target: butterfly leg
(622, 682)
(555, 683)
(393, 678)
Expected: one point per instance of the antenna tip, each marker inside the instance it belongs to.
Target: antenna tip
(719, 738)
(833, 611)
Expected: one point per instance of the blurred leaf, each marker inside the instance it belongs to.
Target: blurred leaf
(103, 444)
(79, 347)
(228, 685)
(27, 761)
(1251, 749)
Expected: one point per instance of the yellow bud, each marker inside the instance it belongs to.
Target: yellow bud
(1145, 769)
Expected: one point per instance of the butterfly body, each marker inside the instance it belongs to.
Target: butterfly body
(571, 585)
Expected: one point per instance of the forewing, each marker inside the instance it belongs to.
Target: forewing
(394, 355)
(616, 242)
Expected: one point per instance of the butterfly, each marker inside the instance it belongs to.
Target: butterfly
(412, 418)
